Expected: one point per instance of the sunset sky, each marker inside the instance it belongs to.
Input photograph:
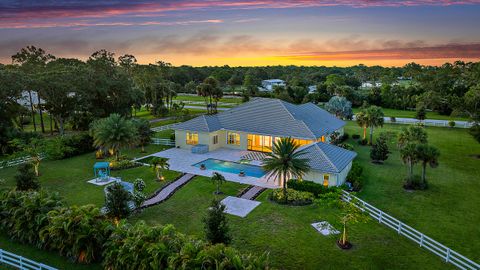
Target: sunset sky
(248, 32)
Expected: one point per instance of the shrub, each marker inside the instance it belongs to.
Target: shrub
(451, 123)
(122, 164)
(26, 178)
(77, 232)
(393, 119)
(117, 200)
(346, 146)
(355, 177)
(308, 186)
(344, 137)
(355, 136)
(69, 146)
(475, 131)
(24, 214)
(138, 199)
(363, 142)
(294, 197)
(379, 151)
(215, 224)
(139, 184)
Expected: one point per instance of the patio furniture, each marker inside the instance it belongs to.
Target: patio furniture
(101, 170)
(200, 149)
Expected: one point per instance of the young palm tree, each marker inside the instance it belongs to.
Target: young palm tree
(158, 165)
(362, 122)
(409, 156)
(427, 154)
(114, 133)
(218, 179)
(285, 162)
(374, 118)
(412, 134)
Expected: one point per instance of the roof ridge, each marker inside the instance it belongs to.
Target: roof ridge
(206, 123)
(326, 157)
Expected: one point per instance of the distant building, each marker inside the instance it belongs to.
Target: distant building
(268, 85)
(312, 89)
(25, 99)
(369, 84)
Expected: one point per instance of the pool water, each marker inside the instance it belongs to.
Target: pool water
(232, 167)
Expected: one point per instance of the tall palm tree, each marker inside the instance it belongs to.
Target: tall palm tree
(158, 165)
(362, 122)
(218, 179)
(374, 118)
(412, 134)
(285, 162)
(114, 133)
(409, 156)
(427, 154)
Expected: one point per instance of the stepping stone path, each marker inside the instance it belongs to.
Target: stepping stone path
(168, 190)
(252, 192)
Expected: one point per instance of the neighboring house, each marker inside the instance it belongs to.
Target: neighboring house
(268, 85)
(312, 89)
(370, 84)
(25, 99)
(257, 124)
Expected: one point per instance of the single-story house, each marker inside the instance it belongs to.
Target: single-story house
(268, 85)
(256, 125)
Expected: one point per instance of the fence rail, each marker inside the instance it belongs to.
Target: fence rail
(160, 141)
(447, 254)
(162, 128)
(20, 262)
(16, 161)
(435, 123)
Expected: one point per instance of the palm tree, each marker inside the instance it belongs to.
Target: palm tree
(412, 134)
(374, 118)
(427, 154)
(218, 179)
(362, 122)
(285, 162)
(158, 165)
(409, 156)
(114, 133)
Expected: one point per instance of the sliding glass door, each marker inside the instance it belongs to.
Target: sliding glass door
(259, 143)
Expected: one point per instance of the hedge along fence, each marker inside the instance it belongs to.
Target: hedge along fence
(447, 254)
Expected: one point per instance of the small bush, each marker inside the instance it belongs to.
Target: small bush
(393, 119)
(294, 197)
(346, 146)
(117, 199)
(355, 177)
(379, 152)
(26, 178)
(116, 165)
(308, 186)
(355, 136)
(451, 124)
(139, 184)
(363, 142)
(215, 223)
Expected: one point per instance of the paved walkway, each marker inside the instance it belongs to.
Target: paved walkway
(168, 190)
(252, 193)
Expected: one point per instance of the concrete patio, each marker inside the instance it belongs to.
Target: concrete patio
(182, 160)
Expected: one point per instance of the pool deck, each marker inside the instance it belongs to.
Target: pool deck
(183, 160)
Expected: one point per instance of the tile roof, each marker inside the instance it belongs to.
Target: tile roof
(327, 157)
(269, 116)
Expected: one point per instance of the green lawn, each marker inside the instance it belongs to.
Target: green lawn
(285, 232)
(411, 114)
(449, 210)
(199, 98)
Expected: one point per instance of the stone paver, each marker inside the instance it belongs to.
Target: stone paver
(238, 206)
(252, 192)
(166, 192)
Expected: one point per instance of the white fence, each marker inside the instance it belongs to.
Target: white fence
(161, 141)
(20, 262)
(424, 241)
(15, 161)
(162, 128)
(435, 123)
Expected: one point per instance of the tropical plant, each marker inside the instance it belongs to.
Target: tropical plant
(451, 123)
(218, 180)
(216, 225)
(26, 178)
(159, 165)
(360, 117)
(427, 155)
(409, 156)
(412, 134)
(374, 117)
(292, 197)
(114, 133)
(117, 202)
(285, 162)
(340, 106)
(34, 149)
(144, 132)
(379, 152)
(139, 184)
(355, 177)
(421, 112)
(24, 213)
(77, 232)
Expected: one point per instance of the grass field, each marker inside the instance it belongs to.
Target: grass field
(411, 114)
(199, 98)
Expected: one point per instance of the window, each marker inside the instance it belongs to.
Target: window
(192, 138)
(326, 177)
(301, 142)
(233, 138)
(215, 139)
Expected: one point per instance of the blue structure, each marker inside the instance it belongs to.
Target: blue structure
(101, 169)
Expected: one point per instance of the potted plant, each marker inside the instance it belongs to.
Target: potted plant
(242, 174)
(203, 167)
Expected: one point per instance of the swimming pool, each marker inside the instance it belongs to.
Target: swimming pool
(232, 167)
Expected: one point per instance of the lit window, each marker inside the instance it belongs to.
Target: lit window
(233, 138)
(192, 138)
(300, 142)
(326, 177)
(215, 139)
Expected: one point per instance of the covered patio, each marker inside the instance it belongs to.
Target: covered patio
(182, 160)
